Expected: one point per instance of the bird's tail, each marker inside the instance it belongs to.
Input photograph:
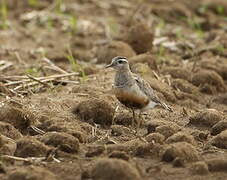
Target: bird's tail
(165, 106)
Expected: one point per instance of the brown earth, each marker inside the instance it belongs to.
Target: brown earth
(58, 116)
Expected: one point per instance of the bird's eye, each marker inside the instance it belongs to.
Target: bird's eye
(120, 62)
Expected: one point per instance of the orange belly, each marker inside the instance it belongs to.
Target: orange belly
(131, 100)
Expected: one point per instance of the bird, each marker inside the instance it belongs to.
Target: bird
(132, 90)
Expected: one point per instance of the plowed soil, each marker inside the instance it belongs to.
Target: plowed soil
(58, 116)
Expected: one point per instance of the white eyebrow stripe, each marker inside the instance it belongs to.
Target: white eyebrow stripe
(122, 60)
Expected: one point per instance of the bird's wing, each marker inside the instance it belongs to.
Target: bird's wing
(147, 89)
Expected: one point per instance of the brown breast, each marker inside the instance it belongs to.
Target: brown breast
(131, 100)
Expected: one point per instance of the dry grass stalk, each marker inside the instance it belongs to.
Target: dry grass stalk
(32, 160)
(156, 75)
(4, 65)
(37, 130)
(40, 79)
(19, 58)
(53, 66)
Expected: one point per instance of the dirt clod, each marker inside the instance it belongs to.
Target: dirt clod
(52, 61)
(178, 72)
(114, 48)
(222, 99)
(184, 86)
(149, 149)
(146, 58)
(181, 137)
(81, 136)
(200, 168)
(2, 168)
(31, 173)
(151, 126)
(10, 131)
(125, 119)
(220, 140)
(95, 151)
(118, 130)
(18, 117)
(155, 137)
(178, 162)
(209, 81)
(95, 111)
(206, 118)
(64, 141)
(119, 155)
(167, 130)
(182, 150)
(30, 147)
(218, 66)
(140, 42)
(7, 145)
(116, 168)
(219, 127)
(200, 135)
(217, 164)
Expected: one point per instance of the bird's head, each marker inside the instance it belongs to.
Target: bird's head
(119, 63)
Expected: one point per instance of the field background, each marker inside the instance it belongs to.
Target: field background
(58, 116)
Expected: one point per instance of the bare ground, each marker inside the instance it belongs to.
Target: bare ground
(52, 57)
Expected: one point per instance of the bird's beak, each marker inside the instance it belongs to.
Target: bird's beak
(109, 65)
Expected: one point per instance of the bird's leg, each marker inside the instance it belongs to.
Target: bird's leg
(134, 117)
(139, 120)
